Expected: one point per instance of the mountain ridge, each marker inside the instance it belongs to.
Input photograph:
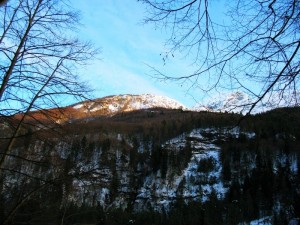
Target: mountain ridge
(113, 104)
(101, 107)
(108, 106)
(240, 102)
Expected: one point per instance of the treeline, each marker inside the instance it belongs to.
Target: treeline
(281, 121)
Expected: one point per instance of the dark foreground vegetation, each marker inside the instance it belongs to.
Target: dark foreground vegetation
(58, 181)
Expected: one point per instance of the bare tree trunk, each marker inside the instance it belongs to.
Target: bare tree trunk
(38, 64)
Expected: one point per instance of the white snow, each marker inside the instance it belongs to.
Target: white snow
(126, 103)
(263, 221)
(240, 102)
(113, 108)
(146, 101)
(78, 106)
(97, 108)
(198, 185)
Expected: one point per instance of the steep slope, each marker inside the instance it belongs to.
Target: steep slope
(101, 107)
(184, 167)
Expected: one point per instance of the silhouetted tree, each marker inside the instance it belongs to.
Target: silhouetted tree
(257, 41)
(3, 2)
(39, 55)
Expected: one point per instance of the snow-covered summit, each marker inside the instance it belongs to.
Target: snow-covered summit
(234, 102)
(126, 103)
(240, 102)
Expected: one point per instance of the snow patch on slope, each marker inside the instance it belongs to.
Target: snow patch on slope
(192, 183)
(145, 101)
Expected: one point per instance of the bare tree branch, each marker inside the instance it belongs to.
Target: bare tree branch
(39, 57)
(258, 42)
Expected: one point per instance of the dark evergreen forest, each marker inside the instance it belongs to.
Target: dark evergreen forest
(261, 173)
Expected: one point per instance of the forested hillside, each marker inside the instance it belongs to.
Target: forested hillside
(156, 166)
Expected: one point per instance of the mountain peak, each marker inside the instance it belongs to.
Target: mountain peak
(106, 106)
(114, 104)
(240, 102)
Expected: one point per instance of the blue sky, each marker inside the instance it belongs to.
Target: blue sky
(128, 47)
